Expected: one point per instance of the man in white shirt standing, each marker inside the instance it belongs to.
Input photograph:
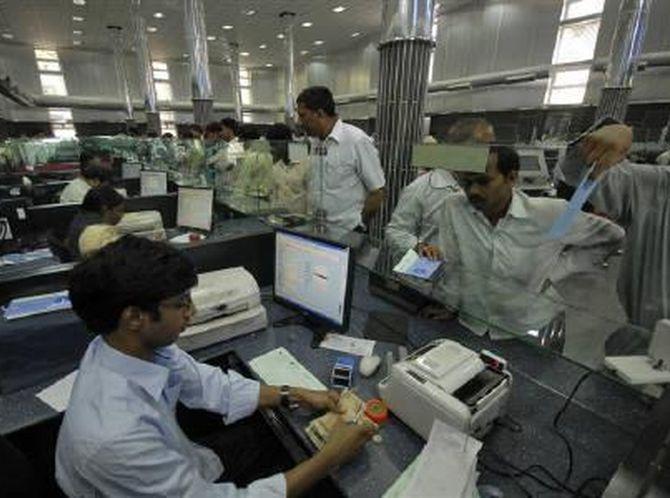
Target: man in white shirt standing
(415, 219)
(501, 262)
(120, 436)
(346, 179)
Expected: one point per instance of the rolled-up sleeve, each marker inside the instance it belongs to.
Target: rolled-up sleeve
(370, 169)
(403, 229)
(143, 466)
(209, 388)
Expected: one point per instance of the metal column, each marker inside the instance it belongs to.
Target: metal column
(145, 69)
(624, 52)
(231, 56)
(118, 45)
(289, 69)
(196, 36)
(405, 49)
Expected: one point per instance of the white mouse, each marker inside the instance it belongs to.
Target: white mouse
(369, 365)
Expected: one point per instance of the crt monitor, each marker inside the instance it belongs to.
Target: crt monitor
(532, 163)
(315, 277)
(195, 208)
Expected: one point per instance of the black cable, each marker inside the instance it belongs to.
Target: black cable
(507, 475)
(587, 482)
(510, 424)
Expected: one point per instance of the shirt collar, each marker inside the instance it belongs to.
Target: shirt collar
(517, 208)
(149, 376)
(336, 132)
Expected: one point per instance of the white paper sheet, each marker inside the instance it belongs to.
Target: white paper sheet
(279, 367)
(348, 344)
(57, 395)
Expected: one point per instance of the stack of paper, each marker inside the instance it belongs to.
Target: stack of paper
(279, 367)
(416, 266)
(445, 468)
(37, 305)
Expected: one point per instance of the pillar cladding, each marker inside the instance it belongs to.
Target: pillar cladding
(118, 45)
(231, 57)
(624, 52)
(404, 50)
(145, 69)
(196, 37)
(289, 68)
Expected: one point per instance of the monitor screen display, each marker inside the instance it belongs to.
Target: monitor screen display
(194, 208)
(313, 275)
(529, 163)
(153, 183)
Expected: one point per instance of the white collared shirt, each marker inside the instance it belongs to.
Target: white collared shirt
(75, 191)
(120, 436)
(341, 179)
(498, 276)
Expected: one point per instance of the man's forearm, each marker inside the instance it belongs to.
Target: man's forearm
(372, 204)
(302, 477)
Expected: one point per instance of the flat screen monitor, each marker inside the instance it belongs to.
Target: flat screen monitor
(153, 183)
(314, 277)
(130, 171)
(194, 207)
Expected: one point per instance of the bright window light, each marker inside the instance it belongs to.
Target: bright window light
(571, 77)
(60, 115)
(573, 9)
(161, 76)
(46, 55)
(576, 42)
(246, 96)
(163, 91)
(64, 132)
(50, 66)
(53, 84)
(159, 66)
(566, 96)
(567, 86)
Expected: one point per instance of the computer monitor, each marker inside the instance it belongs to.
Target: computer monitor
(130, 170)
(314, 277)
(532, 163)
(14, 224)
(153, 183)
(194, 207)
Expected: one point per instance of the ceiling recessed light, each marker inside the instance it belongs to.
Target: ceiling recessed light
(159, 15)
(318, 42)
(307, 24)
(77, 32)
(77, 18)
(211, 38)
(263, 47)
(185, 56)
(250, 12)
(304, 52)
(152, 29)
(268, 65)
(339, 9)
(281, 36)
(76, 42)
(244, 54)
(79, 2)
(356, 34)
(7, 36)
(227, 26)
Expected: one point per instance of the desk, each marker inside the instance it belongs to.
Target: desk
(602, 423)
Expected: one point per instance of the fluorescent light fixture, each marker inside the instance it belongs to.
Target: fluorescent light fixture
(211, 38)
(268, 65)
(159, 15)
(227, 27)
(304, 52)
(7, 36)
(152, 29)
(250, 12)
(318, 42)
(76, 42)
(339, 9)
(244, 54)
(77, 18)
(356, 34)
(263, 46)
(307, 24)
(77, 32)
(281, 36)
(79, 2)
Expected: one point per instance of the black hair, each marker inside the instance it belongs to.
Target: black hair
(463, 130)
(131, 271)
(317, 98)
(99, 197)
(279, 131)
(508, 159)
(231, 124)
(214, 127)
(93, 171)
(167, 136)
(279, 135)
(249, 132)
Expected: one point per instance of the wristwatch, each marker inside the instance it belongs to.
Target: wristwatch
(285, 398)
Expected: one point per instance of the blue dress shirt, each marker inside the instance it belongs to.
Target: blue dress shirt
(120, 436)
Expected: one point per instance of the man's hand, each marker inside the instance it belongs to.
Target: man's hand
(345, 442)
(429, 251)
(316, 400)
(607, 146)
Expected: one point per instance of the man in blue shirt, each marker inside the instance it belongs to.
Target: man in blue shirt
(120, 436)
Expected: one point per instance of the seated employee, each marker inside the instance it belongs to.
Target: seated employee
(347, 181)
(638, 197)
(500, 262)
(120, 436)
(101, 205)
(414, 220)
(92, 174)
(229, 134)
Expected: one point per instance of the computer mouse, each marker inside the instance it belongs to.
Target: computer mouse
(369, 365)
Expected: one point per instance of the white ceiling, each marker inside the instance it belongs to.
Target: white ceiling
(50, 24)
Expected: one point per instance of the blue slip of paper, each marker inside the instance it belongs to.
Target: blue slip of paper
(417, 266)
(577, 201)
(37, 305)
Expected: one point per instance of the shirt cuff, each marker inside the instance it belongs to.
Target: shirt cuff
(269, 487)
(243, 399)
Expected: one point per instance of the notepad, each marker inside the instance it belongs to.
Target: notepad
(279, 367)
(417, 266)
(38, 305)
